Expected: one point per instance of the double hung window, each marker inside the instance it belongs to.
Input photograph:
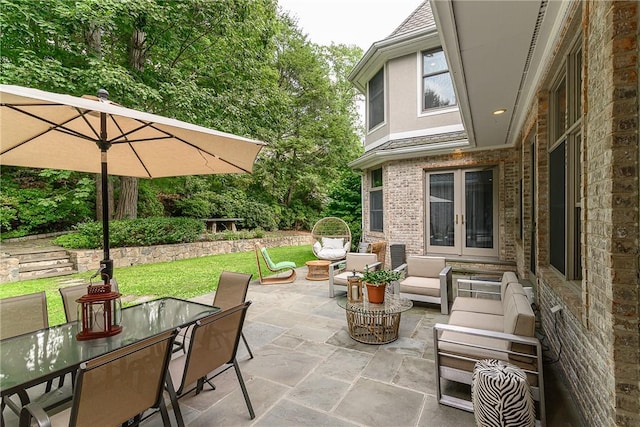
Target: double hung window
(437, 86)
(375, 201)
(565, 168)
(376, 99)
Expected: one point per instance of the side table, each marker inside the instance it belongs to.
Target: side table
(375, 323)
(318, 270)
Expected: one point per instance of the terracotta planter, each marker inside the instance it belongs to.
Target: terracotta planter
(376, 293)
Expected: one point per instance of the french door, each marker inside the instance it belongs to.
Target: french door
(462, 212)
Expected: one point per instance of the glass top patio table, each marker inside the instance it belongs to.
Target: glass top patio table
(34, 358)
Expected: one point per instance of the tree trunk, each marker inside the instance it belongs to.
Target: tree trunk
(128, 200)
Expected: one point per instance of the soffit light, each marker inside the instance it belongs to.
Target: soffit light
(500, 111)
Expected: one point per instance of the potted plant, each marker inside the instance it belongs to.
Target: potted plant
(376, 281)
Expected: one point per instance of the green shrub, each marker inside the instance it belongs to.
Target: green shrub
(73, 241)
(149, 204)
(135, 232)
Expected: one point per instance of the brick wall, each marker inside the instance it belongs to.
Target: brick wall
(404, 197)
(599, 329)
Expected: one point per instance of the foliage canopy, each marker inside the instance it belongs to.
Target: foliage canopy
(233, 65)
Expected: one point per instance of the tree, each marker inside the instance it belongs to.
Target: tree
(315, 132)
(232, 65)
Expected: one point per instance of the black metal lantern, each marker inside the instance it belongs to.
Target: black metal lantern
(100, 312)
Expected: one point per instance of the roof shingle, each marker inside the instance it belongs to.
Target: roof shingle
(421, 18)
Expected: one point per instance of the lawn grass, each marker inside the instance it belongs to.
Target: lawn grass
(182, 279)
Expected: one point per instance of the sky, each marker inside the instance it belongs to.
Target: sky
(359, 22)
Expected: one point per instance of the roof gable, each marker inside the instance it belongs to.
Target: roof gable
(421, 18)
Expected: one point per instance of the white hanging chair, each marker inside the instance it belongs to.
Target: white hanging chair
(332, 239)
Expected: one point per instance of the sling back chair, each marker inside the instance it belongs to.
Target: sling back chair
(70, 294)
(277, 268)
(115, 388)
(231, 291)
(212, 347)
(20, 315)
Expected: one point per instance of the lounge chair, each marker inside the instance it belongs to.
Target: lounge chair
(277, 268)
(340, 271)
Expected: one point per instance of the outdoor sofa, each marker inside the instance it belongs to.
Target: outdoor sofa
(481, 328)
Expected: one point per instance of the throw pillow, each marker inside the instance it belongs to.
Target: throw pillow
(329, 243)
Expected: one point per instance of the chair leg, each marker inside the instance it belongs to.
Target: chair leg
(244, 389)
(246, 345)
(174, 401)
(164, 414)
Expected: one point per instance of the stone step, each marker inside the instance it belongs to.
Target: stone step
(53, 262)
(50, 272)
(45, 267)
(37, 255)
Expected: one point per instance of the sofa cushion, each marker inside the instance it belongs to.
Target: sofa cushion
(421, 286)
(518, 316)
(424, 266)
(519, 319)
(497, 350)
(489, 322)
(484, 305)
(477, 305)
(359, 262)
(507, 278)
(331, 254)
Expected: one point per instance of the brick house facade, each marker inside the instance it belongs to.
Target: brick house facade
(578, 128)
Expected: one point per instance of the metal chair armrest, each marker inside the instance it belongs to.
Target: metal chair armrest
(518, 339)
(445, 288)
(34, 411)
(401, 267)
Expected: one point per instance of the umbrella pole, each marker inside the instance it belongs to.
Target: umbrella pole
(107, 263)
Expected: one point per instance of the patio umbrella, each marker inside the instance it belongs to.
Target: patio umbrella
(48, 130)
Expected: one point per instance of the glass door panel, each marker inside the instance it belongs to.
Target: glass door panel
(478, 209)
(442, 224)
(462, 212)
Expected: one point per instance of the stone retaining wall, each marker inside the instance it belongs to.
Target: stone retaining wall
(89, 260)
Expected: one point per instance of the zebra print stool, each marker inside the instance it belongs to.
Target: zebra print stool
(501, 395)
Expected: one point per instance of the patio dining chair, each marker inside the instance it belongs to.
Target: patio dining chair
(19, 315)
(70, 294)
(114, 388)
(231, 291)
(23, 314)
(212, 348)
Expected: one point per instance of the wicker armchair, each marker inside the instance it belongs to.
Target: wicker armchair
(332, 238)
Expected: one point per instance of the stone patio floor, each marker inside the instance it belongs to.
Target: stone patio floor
(307, 371)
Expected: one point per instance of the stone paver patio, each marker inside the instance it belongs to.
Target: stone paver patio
(307, 371)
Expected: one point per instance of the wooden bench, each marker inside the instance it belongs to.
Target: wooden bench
(226, 224)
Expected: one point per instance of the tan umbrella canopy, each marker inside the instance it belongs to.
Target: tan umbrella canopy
(48, 130)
